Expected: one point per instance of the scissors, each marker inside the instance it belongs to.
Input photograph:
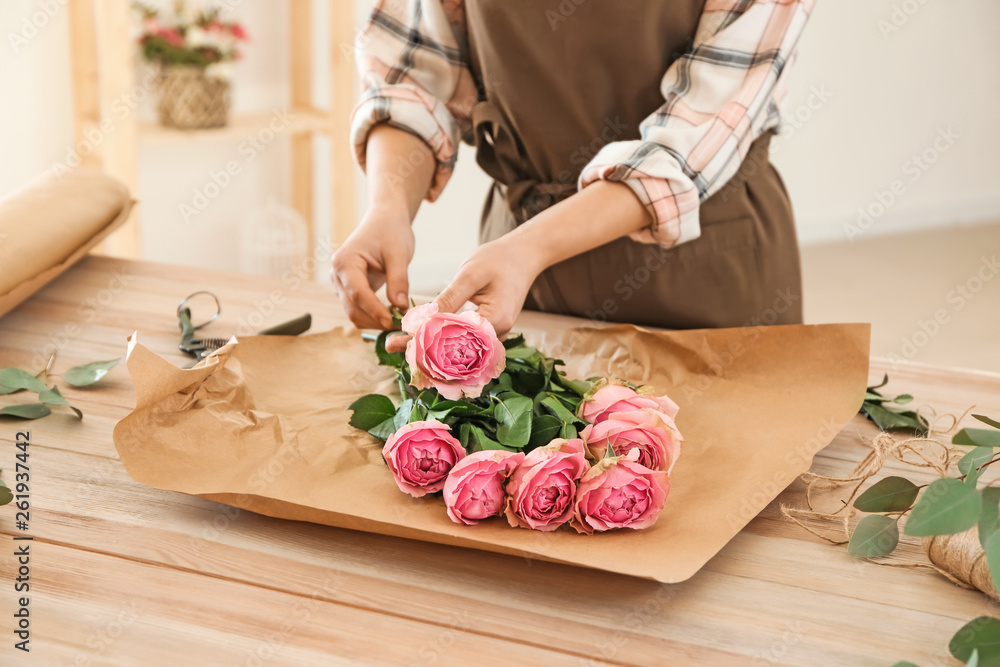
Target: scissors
(199, 348)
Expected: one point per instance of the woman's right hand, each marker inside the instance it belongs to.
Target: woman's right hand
(377, 252)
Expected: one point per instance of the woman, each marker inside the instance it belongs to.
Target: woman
(628, 143)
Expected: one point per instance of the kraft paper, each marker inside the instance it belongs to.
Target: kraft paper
(262, 425)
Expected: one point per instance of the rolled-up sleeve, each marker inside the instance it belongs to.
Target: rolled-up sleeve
(718, 98)
(413, 62)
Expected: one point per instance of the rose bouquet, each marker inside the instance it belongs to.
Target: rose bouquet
(499, 429)
(190, 36)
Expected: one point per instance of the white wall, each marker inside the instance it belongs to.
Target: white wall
(889, 96)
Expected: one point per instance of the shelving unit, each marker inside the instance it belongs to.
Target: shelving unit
(104, 74)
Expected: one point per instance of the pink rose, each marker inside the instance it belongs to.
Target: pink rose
(613, 398)
(474, 488)
(420, 455)
(650, 432)
(541, 490)
(619, 493)
(457, 354)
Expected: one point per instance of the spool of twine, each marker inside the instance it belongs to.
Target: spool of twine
(961, 556)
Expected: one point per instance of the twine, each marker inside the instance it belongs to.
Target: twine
(960, 557)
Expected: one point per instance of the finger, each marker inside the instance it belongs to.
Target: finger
(454, 296)
(361, 299)
(397, 284)
(397, 342)
(500, 317)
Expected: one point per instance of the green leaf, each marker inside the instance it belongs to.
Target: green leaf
(446, 408)
(513, 415)
(884, 382)
(514, 340)
(568, 431)
(5, 495)
(371, 410)
(383, 430)
(948, 506)
(464, 432)
(892, 494)
(977, 437)
(544, 429)
(402, 417)
(904, 663)
(875, 535)
(53, 396)
(14, 380)
(524, 353)
(969, 464)
(902, 399)
(394, 359)
(992, 549)
(888, 420)
(478, 441)
(86, 374)
(986, 420)
(989, 515)
(26, 411)
(557, 409)
(981, 635)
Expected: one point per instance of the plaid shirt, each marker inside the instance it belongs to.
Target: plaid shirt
(719, 97)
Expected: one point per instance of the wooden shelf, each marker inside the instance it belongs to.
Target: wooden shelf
(288, 122)
(102, 77)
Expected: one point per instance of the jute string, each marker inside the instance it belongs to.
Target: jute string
(958, 557)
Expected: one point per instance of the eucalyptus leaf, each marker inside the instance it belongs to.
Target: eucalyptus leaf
(904, 663)
(884, 382)
(875, 535)
(986, 420)
(981, 635)
(989, 515)
(513, 415)
(5, 495)
(52, 396)
(87, 374)
(26, 411)
(902, 399)
(969, 464)
(946, 507)
(889, 420)
(892, 494)
(977, 437)
(371, 410)
(14, 380)
(992, 549)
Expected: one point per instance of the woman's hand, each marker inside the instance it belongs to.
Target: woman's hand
(496, 278)
(377, 252)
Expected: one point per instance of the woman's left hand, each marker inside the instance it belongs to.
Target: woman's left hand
(496, 278)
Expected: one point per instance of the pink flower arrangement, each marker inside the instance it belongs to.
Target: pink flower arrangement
(457, 354)
(190, 35)
(499, 430)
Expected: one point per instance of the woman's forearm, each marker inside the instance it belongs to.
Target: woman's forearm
(598, 214)
(400, 167)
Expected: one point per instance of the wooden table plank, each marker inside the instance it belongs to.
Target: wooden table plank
(774, 595)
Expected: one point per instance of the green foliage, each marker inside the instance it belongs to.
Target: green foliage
(88, 374)
(892, 494)
(948, 506)
(878, 408)
(874, 536)
(980, 635)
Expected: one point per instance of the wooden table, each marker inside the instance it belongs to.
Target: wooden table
(124, 574)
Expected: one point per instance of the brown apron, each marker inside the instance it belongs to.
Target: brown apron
(561, 78)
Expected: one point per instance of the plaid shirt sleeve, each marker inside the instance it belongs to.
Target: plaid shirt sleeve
(413, 60)
(719, 97)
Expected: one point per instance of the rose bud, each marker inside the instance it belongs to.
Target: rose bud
(657, 440)
(474, 489)
(619, 493)
(541, 489)
(611, 398)
(457, 354)
(420, 455)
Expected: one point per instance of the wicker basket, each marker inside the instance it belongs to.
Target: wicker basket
(189, 100)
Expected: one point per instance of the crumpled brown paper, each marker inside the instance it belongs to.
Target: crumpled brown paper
(262, 425)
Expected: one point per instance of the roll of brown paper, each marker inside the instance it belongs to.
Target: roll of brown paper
(51, 223)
